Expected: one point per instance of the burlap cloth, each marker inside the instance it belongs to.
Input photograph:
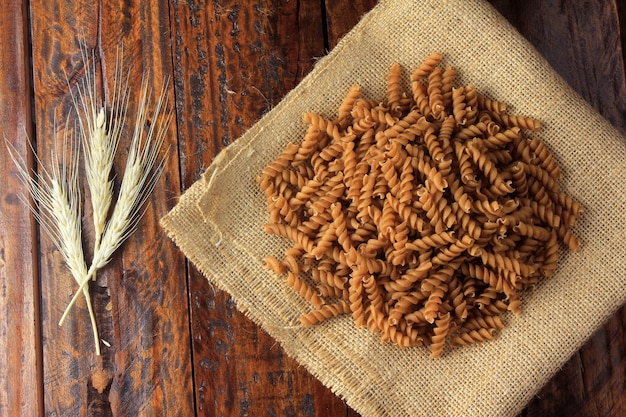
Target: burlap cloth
(218, 222)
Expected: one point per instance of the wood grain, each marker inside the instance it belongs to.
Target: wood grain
(582, 44)
(64, 366)
(179, 346)
(20, 362)
(341, 16)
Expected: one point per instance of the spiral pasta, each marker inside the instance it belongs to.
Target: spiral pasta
(424, 216)
(440, 333)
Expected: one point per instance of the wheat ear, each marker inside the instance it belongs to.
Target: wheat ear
(143, 169)
(58, 210)
(100, 137)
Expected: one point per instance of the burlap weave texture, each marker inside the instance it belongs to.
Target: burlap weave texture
(218, 222)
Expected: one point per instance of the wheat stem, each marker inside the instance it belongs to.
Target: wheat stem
(82, 288)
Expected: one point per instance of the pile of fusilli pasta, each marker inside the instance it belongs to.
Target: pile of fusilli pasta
(423, 216)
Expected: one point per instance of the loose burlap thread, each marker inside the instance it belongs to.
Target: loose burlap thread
(218, 223)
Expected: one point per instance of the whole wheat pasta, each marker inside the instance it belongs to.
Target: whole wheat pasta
(494, 107)
(472, 106)
(440, 333)
(274, 264)
(325, 312)
(424, 215)
(420, 96)
(547, 160)
(304, 289)
(283, 160)
(433, 303)
(447, 85)
(346, 106)
(424, 69)
(399, 239)
(393, 90)
(459, 106)
(518, 121)
(435, 94)
(457, 302)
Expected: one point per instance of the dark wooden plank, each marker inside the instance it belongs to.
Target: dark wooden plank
(582, 42)
(68, 351)
(149, 303)
(20, 347)
(341, 16)
(142, 312)
(233, 61)
(621, 12)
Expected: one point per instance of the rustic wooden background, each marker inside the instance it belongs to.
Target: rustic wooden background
(179, 346)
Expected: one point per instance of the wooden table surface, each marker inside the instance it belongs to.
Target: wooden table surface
(178, 346)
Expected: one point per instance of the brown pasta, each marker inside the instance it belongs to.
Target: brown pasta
(440, 333)
(325, 312)
(347, 105)
(423, 216)
(393, 90)
(435, 94)
(447, 86)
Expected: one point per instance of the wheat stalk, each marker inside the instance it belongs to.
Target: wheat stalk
(58, 210)
(100, 137)
(57, 193)
(143, 169)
